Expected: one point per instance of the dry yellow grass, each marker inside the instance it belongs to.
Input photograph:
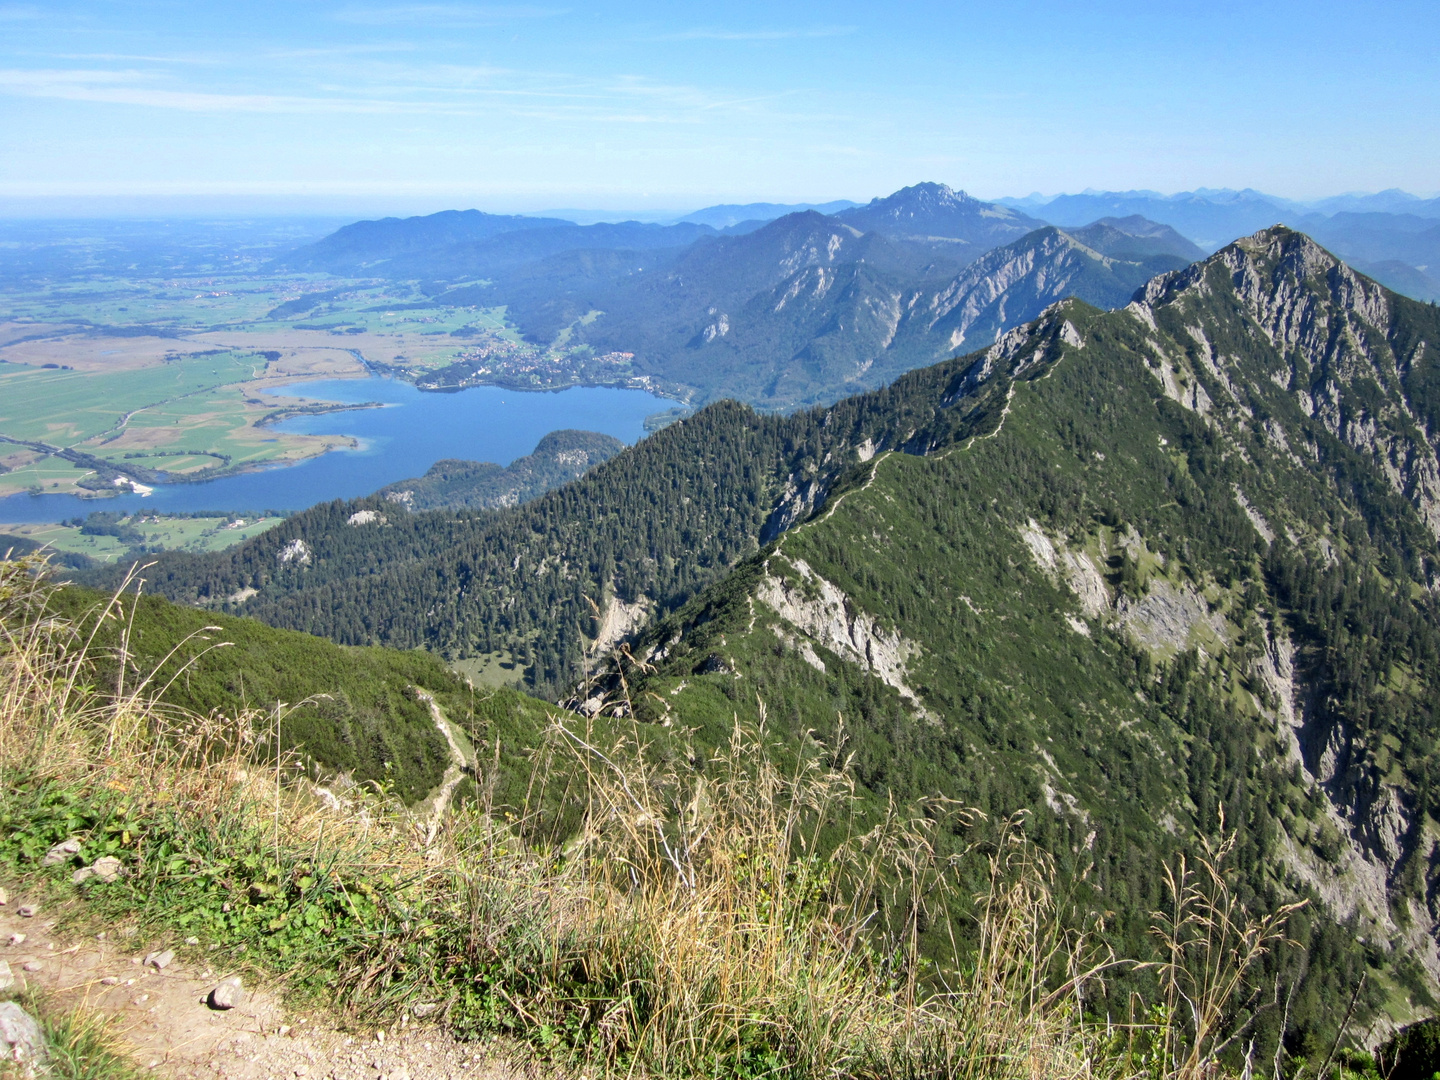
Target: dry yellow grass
(709, 916)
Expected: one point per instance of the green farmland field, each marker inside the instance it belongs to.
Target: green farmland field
(159, 532)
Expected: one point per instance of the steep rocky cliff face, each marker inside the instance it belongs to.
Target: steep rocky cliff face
(1335, 343)
(847, 314)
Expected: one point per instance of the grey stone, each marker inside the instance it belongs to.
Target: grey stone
(160, 960)
(21, 1036)
(227, 995)
(425, 1008)
(7, 977)
(4, 897)
(85, 873)
(17, 939)
(108, 868)
(31, 966)
(61, 852)
(26, 911)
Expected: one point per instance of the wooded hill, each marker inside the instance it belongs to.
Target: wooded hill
(1122, 570)
(558, 458)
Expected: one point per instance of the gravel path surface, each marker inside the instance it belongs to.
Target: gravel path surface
(166, 1016)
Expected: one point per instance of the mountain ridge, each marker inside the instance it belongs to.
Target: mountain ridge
(1121, 572)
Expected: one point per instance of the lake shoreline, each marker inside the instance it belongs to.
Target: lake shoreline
(391, 431)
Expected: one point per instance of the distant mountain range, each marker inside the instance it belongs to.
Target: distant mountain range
(809, 308)
(1390, 201)
(800, 310)
(933, 210)
(1399, 250)
(809, 305)
(1209, 219)
(366, 243)
(470, 244)
(1392, 235)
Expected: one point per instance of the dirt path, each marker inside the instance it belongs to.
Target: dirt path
(439, 802)
(164, 1016)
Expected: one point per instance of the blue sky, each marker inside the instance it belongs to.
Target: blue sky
(532, 105)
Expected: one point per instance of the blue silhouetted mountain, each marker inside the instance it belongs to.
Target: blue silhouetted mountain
(364, 244)
(729, 215)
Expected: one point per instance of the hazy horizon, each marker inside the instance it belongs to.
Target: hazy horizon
(199, 207)
(364, 105)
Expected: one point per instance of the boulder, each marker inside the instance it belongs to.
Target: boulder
(21, 1039)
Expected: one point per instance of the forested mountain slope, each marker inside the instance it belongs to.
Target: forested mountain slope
(1158, 565)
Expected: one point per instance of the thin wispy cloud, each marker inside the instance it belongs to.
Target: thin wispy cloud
(713, 34)
(137, 58)
(449, 16)
(442, 90)
(128, 88)
(341, 51)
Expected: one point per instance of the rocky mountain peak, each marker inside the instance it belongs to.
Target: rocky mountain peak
(1325, 337)
(1286, 282)
(929, 193)
(933, 209)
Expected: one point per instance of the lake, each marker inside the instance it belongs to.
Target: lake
(402, 440)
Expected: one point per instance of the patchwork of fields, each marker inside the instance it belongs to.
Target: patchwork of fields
(108, 383)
